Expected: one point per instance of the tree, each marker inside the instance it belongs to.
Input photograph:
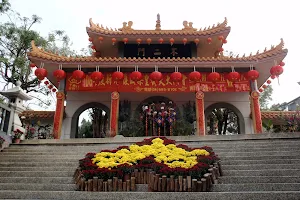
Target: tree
(15, 42)
(85, 130)
(278, 107)
(266, 97)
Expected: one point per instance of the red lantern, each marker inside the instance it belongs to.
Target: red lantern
(209, 40)
(282, 63)
(196, 41)
(233, 76)
(214, 77)
(50, 87)
(221, 37)
(276, 70)
(32, 65)
(184, 40)
(172, 41)
(100, 39)
(273, 77)
(138, 41)
(125, 40)
(46, 82)
(160, 40)
(41, 73)
(264, 86)
(96, 76)
(221, 49)
(118, 76)
(252, 75)
(224, 41)
(149, 41)
(176, 76)
(195, 76)
(269, 81)
(156, 76)
(78, 75)
(260, 90)
(59, 74)
(90, 39)
(113, 40)
(136, 76)
(93, 47)
(53, 90)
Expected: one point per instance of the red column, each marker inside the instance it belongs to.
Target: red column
(256, 115)
(114, 113)
(58, 116)
(200, 117)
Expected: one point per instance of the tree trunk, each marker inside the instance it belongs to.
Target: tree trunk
(225, 120)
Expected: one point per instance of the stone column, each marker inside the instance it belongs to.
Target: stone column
(59, 113)
(255, 110)
(200, 116)
(114, 113)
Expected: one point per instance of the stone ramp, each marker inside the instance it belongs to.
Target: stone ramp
(254, 168)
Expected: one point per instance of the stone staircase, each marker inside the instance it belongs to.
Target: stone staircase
(255, 167)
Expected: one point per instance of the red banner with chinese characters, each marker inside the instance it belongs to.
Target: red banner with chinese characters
(147, 85)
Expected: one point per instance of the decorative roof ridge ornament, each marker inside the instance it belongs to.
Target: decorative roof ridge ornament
(158, 26)
(188, 26)
(126, 26)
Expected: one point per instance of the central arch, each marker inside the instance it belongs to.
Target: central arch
(75, 117)
(239, 115)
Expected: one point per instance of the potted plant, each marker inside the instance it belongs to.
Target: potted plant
(126, 170)
(17, 135)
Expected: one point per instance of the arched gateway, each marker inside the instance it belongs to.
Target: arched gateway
(134, 62)
(101, 125)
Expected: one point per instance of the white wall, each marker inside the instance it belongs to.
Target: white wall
(76, 99)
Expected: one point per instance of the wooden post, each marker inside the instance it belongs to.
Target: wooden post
(86, 188)
(115, 183)
(124, 187)
(159, 185)
(220, 168)
(206, 176)
(146, 177)
(172, 183)
(176, 185)
(105, 186)
(128, 185)
(204, 184)
(194, 185)
(168, 185)
(100, 185)
(164, 183)
(82, 185)
(184, 185)
(120, 185)
(200, 117)
(189, 183)
(199, 186)
(132, 184)
(114, 113)
(180, 178)
(156, 182)
(142, 176)
(90, 185)
(213, 177)
(95, 184)
(136, 173)
(109, 185)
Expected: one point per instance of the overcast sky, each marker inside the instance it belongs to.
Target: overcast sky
(255, 24)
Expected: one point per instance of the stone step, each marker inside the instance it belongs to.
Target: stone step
(263, 172)
(46, 168)
(265, 195)
(260, 166)
(258, 179)
(263, 153)
(43, 159)
(57, 156)
(259, 157)
(38, 164)
(48, 180)
(37, 187)
(37, 173)
(266, 161)
(256, 187)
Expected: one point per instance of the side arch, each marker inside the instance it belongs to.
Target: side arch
(75, 117)
(240, 117)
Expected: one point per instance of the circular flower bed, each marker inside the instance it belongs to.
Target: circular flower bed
(159, 154)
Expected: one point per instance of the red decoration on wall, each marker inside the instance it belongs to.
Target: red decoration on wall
(276, 70)
(200, 117)
(269, 81)
(160, 40)
(136, 76)
(41, 73)
(224, 41)
(90, 39)
(125, 40)
(93, 47)
(176, 76)
(149, 41)
(260, 90)
(113, 40)
(172, 41)
(53, 90)
(100, 39)
(233, 76)
(273, 77)
(221, 49)
(256, 114)
(282, 63)
(214, 77)
(96, 76)
(114, 113)
(118, 76)
(32, 65)
(209, 40)
(184, 40)
(58, 116)
(50, 86)
(78, 75)
(156, 76)
(253, 75)
(221, 37)
(46, 82)
(138, 41)
(264, 86)
(196, 41)
(195, 76)
(59, 74)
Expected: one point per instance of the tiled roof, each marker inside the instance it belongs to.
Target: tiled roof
(31, 114)
(187, 30)
(277, 114)
(41, 54)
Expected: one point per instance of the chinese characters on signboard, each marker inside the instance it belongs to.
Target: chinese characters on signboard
(147, 85)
